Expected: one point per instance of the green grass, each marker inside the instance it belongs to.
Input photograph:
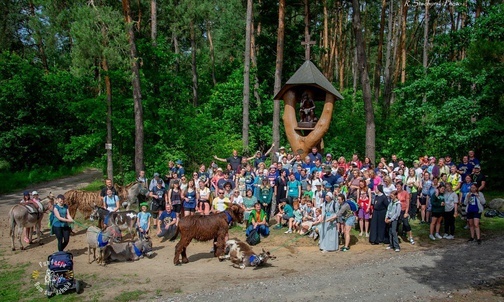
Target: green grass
(13, 181)
(130, 296)
(96, 185)
(11, 280)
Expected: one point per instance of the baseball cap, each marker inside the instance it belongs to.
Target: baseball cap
(391, 165)
(160, 181)
(328, 155)
(26, 193)
(328, 185)
(156, 174)
(316, 182)
(34, 193)
(282, 148)
(416, 161)
(477, 167)
(219, 169)
(61, 196)
(329, 194)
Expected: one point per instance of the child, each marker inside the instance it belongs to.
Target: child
(295, 221)
(308, 192)
(143, 221)
(285, 212)
(392, 217)
(315, 224)
(308, 218)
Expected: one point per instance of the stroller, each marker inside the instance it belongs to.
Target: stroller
(59, 277)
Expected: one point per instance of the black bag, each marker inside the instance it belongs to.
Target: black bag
(253, 238)
(491, 213)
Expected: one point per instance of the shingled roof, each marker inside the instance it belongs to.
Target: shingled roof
(308, 74)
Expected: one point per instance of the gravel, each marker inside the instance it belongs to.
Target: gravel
(414, 276)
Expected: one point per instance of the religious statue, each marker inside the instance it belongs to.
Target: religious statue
(306, 109)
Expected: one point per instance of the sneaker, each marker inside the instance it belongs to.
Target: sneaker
(438, 236)
(397, 250)
(432, 237)
(445, 236)
(323, 251)
(367, 235)
(479, 241)
(278, 226)
(344, 249)
(411, 241)
(450, 237)
(288, 232)
(360, 234)
(212, 250)
(388, 248)
(470, 240)
(315, 236)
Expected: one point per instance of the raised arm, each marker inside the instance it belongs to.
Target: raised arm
(219, 159)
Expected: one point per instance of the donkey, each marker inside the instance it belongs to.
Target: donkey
(135, 193)
(26, 216)
(128, 251)
(98, 239)
(123, 219)
(242, 255)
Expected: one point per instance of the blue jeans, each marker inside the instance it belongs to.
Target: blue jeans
(262, 229)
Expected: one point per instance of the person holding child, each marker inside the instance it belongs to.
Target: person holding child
(143, 221)
(328, 230)
(285, 213)
(257, 220)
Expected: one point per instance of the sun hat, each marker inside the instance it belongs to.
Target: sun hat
(144, 204)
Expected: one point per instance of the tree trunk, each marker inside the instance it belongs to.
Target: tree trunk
(425, 56)
(38, 39)
(176, 50)
(379, 55)
(341, 48)
(212, 54)
(387, 94)
(137, 95)
(254, 51)
(153, 22)
(193, 64)
(366, 87)
(246, 79)
(108, 90)
(278, 73)
(403, 40)
(325, 57)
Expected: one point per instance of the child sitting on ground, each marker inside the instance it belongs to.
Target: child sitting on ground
(285, 212)
(295, 221)
(316, 223)
(308, 218)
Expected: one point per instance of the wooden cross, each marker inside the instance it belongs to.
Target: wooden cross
(307, 44)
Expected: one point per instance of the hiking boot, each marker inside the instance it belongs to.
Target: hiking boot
(479, 241)
(470, 240)
(438, 236)
(432, 237)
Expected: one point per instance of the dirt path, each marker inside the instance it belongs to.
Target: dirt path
(300, 272)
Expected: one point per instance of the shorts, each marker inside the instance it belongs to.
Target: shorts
(286, 217)
(350, 221)
(192, 210)
(423, 199)
(473, 215)
(298, 221)
(177, 208)
(362, 214)
(437, 215)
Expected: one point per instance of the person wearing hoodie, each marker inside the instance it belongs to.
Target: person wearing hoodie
(392, 218)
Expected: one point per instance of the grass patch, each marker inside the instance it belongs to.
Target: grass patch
(96, 185)
(13, 181)
(11, 280)
(130, 296)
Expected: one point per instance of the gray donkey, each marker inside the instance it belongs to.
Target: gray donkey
(98, 239)
(27, 215)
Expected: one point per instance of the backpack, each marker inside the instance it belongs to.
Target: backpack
(353, 205)
(253, 238)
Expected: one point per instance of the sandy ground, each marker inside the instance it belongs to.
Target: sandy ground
(298, 258)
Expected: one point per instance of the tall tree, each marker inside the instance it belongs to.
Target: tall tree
(246, 78)
(278, 72)
(137, 95)
(364, 77)
(425, 54)
(154, 22)
(194, 68)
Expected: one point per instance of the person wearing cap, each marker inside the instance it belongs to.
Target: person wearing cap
(280, 154)
(328, 159)
(265, 196)
(159, 198)
(465, 167)
(61, 222)
(143, 221)
(214, 182)
(328, 230)
(479, 178)
(329, 177)
(108, 186)
(154, 181)
(167, 223)
(318, 194)
(180, 168)
(234, 160)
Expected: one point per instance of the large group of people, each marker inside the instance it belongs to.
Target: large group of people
(321, 197)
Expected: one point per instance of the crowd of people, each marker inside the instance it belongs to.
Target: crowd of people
(321, 197)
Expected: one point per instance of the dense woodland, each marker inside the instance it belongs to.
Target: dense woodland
(179, 79)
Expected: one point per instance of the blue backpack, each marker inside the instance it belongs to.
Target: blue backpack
(353, 205)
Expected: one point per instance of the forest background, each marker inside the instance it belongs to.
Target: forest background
(187, 79)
